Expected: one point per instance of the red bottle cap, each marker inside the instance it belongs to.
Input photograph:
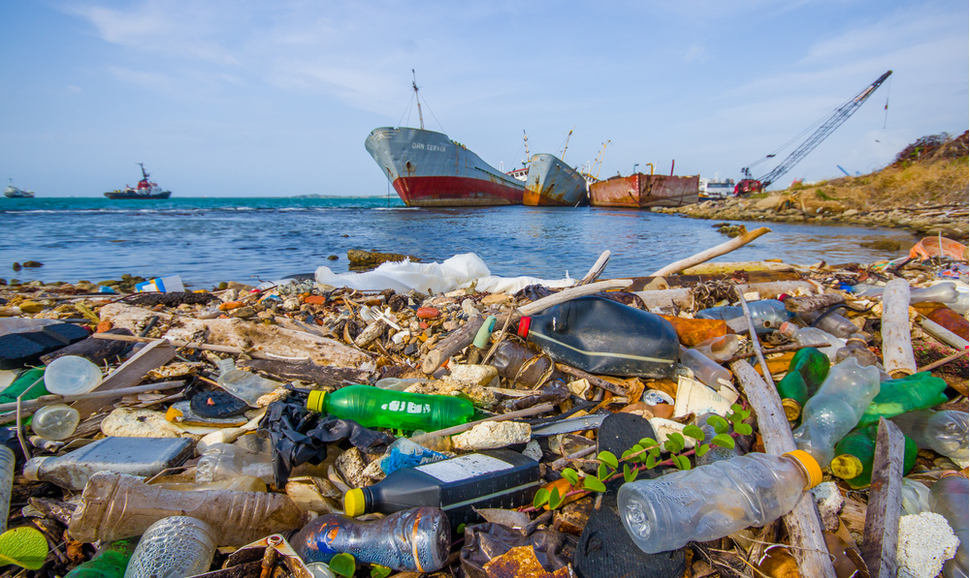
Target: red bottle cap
(524, 324)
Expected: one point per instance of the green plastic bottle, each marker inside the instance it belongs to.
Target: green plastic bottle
(898, 396)
(23, 381)
(375, 407)
(806, 373)
(110, 562)
(855, 453)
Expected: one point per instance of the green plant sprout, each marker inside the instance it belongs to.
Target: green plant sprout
(645, 455)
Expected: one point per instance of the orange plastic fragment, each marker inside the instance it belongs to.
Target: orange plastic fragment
(315, 299)
(939, 246)
(104, 326)
(694, 331)
(230, 305)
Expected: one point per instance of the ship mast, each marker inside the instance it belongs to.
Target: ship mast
(143, 173)
(414, 83)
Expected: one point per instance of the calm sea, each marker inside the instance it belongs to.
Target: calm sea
(208, 240)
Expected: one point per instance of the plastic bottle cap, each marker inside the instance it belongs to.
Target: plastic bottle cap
(811, 466)
(846, 466)
(314, 401)
(524, 327)
(354, 503)
(792, 408)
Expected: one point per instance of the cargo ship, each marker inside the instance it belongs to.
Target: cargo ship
(551, 182)
(640, 191)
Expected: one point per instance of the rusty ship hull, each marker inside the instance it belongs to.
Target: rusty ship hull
(428, 169)
(551, 182)
(640, 191)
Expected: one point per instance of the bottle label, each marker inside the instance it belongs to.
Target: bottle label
(408, 407)
(464, 467)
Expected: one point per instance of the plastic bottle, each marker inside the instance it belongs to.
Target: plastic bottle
(948, 498)
(374, 407)
(715, 453)
(515, 363)
(814, 336)
(855, 452)
(71, 375)
(117, 506)
(602, 336)
(945, 292)
(916, 497)
(110, 561)
(897, 396)
(767, 314)
(55, 422)
(32, 379)
(236, 484)
(7, 462)
(833, 323)
(489, 479)
(415, 540)
(222, 462)
(944, 432)
(705, 369)
(806, 372)
(172, 548)
(856, 347)
(134, 456)
(713, 501)
(836, 409)
(398, 383)
(247, 386)
(720, 349)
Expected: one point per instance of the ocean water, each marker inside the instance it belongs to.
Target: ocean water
(209, 240)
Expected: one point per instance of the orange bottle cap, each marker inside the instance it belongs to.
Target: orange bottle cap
(810, 464)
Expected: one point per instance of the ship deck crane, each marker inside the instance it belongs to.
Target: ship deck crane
(751, 185)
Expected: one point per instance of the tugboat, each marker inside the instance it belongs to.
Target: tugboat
(145, 189)
(12, 192)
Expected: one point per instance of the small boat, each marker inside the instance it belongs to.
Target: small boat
(551, 182)
(145, 189)
(12, 192)
(640, 191)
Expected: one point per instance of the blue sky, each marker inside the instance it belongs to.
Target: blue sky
(252, 98)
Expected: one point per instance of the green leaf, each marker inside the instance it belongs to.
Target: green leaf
(540, 499)
(735, 408)
(675, 443)
(655, 451)
(24, 546)
(461, 529)
(681, 462)
(554, 499)
(651, 461)
(571, 475)
(701, 450)
(591, 483)
(724, 441)
(609, 459)
(695, 432)
(719, 424)
(378, 571)
(629, 474)
(603, 472)
(647, 442)
(743, 429)
(343, 564)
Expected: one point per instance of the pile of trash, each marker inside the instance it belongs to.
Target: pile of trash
(733, 419)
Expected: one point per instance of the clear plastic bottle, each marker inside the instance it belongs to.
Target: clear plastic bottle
(247, 386)
(855, 346)
(110, 561)
(71, 375)
(7, 462)
(720, 349)
(173, 547)
(415, 540)
(55, 422)
(705, 369)
(767, 314)
(222, 462)
(948, 498)
(916, 497)
(836, 408)
(713, 501)
(814, 336)
(945, 292)
(944, 432)
(833, 323)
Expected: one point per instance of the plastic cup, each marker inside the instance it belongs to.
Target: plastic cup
(71, 375)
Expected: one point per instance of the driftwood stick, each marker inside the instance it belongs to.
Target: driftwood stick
(885, 496)
(943, 334)
(529, 411)
(803, 522)
(54, 398)
(592, 379)
(452, 344)
(779, 349)
(944, 361)
(755, 342)
(813, 302)
(175, 342)
(897, 345)
(723, 248)
(597, 269)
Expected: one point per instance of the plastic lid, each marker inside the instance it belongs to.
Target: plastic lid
(314, 402)
(846, 466)
(811, 466)
(354, 502)
(524, 327)
(792, 408)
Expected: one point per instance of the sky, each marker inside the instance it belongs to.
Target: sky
(237, 98)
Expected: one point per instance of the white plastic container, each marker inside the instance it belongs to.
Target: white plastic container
(713, 501)
(173, 548)
(247, 386)
(71, 375)
(705, 369)
(7, 462)
(55, 422)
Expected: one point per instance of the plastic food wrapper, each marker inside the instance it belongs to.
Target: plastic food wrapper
(457, 272)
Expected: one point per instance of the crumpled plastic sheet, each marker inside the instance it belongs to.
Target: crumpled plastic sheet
(484, 542)
(301, 436)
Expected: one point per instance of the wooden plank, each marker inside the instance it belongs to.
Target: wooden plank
(897, 345)
(885, 502)
(803, 522)
(129, 374)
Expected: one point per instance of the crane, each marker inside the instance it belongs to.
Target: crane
(751, 185)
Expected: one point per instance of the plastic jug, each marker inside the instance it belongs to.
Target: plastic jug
(854, 455)
(55, 422)
(767, 314)
(713, 501)
(134, 456)
(720, 349)
(247, 386)
(806, 372)
(705, 369)
(7, 462)
(944, 432)
(117, 506)
(416, 540)
(374, 407)
(836, 409)
(173, 547)
(897, 396)
(71, 375)
(832, 323)
(110, 561)
(489, 479)
(948, 498)
(602, 336)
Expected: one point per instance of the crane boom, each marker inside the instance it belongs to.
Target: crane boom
(832, 122)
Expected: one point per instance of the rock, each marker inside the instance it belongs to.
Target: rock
(478, 395)
(244, 312)
(883, 245)
(360, 258)
(850, 213)
(31, 307)
(351, 466)
(473, 374)
(493, 434)
(140, 423)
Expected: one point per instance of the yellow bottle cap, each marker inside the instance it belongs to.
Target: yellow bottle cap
(810, 464)
(846, 466)
(354, 502)
(792, 408)
(314, 401)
